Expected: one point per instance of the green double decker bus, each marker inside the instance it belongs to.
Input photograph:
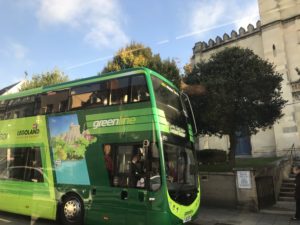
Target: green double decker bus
(111, 149)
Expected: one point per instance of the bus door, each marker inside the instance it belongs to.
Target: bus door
(138, 199)
(110, 193)
(107, 206)
(123, 200)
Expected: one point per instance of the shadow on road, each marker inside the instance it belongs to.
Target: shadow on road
(14, 219)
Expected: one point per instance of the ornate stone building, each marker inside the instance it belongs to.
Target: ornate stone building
(276, 38)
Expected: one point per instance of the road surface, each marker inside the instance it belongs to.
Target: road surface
(13, 219)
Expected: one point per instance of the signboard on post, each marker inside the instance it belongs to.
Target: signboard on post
(244, 179)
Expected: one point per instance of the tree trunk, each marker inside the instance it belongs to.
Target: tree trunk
(232, 140)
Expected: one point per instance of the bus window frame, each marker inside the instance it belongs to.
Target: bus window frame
(38, 102)
(49, 93)
(42, 168)
(114, 147)
(3, 109)
(108, 81)
(14, 103)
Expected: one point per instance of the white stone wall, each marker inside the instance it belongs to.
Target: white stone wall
(214, 142)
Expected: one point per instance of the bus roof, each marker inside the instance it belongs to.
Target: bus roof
(86, 80)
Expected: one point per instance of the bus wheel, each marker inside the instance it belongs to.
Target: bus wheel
(71, 211)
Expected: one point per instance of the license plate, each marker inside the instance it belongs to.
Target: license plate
(187, 219)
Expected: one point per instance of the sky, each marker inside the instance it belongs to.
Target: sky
(79, 37)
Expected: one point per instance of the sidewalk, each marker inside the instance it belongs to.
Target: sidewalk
(218, 216)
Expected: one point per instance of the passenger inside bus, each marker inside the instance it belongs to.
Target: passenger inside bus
(137, 172)
(125, 165)
(108, 160)
(171, 172)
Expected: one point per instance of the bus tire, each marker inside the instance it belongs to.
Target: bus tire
(71, 210)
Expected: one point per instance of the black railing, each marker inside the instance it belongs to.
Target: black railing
(265, 191)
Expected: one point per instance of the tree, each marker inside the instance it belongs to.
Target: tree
(53, 77)
(243, 94)
(138, 55)
(297, 70)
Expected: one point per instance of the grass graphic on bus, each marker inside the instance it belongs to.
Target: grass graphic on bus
(68, 147)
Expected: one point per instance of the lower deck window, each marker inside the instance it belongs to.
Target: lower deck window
(132, 166)
(21, 164)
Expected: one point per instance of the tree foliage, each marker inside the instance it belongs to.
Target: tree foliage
(45, 79)
(138, 55)
(243, 94)
(297, 70)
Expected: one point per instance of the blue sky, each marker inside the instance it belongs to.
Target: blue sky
(80, 36)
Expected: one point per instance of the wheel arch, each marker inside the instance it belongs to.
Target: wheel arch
(63, 197)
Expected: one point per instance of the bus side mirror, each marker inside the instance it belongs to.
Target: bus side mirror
(144, 149)
(146, 143)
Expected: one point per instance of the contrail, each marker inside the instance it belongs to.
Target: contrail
(210, 28)
(187, 35)
(97, 60)
(89, 62)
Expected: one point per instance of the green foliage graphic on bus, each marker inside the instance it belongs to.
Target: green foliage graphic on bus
(68, 146)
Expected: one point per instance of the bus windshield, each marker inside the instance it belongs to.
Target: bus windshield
(181, 172)
(180, 165)
(169, 102)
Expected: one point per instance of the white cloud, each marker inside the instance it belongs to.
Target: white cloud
(18, 50)
(206, 15)
(57, 11)
(13, 49)
(101, 21)
(246, 15)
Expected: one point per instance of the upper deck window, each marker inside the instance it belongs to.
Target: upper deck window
(169, 101)
(3, 104)
(139, 90)
(20, 107)
(54, 102)
(166, 94)
(116, 91)
(89, 95)
(119, 91)
(111, 92)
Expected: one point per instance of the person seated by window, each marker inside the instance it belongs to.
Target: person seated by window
(102, 95)
(171, 172)
(108, 160)
(93, 99)
(137, 173)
